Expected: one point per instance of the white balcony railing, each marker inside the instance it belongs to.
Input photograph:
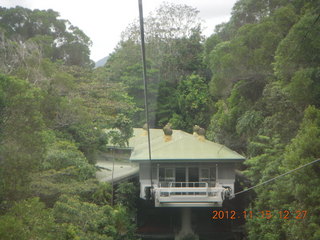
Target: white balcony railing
(188, 193)
(184, 184)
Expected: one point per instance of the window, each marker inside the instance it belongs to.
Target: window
(180, 174)
(204, 174)
(169, 174)
(193, 174)
(161, 174)
(166, 174)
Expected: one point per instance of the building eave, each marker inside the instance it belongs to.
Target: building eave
(188, 160)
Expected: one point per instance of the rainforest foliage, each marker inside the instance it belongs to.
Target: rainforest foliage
(53, 107)
(254, 85)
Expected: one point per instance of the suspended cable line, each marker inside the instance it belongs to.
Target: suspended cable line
(315, 21)
(143, 53)
(281, 175)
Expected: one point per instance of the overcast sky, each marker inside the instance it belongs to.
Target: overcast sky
(104, 20)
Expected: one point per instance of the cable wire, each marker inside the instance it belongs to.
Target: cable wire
(281, 175)
(315, 21)
(143, 52)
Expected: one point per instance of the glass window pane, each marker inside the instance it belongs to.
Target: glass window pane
(169, 172)
(193, 174)
(204, 173)
(161, 174)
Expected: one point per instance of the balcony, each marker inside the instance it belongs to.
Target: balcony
(188, 194)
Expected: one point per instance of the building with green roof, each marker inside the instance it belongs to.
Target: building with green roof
(185, 170)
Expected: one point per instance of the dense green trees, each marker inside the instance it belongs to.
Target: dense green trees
(29, 219)
(193, 101)
(293, 192)
(23, 135)
(53, 107)
(174, 52)
(264, 65)
(254, 85)
(58, 38)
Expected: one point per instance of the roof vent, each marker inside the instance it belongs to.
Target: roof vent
(199, 133)
(145, 130)
(195, 130)
(167, 132)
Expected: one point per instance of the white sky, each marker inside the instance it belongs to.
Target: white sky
(104, 20)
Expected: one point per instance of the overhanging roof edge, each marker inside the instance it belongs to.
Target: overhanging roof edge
(191, 159)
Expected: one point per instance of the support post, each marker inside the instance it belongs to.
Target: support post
(112, 199)
(185, 224)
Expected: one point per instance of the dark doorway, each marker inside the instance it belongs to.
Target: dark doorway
(193, 174)
(181, 174)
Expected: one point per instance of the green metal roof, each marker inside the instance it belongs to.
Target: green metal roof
(182, 147)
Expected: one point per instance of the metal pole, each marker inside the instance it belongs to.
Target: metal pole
(217, 174)
(143, 52)
(112, 149)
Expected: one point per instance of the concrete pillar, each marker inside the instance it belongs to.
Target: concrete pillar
(186, 229)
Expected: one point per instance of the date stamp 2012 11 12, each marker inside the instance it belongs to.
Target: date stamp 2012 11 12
(266, 214)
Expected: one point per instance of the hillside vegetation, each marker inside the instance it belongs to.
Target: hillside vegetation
(254, 85)
(53, 106)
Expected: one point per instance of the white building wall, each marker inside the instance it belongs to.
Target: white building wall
(226, 171)
(226, 175)
(144, 172)
(145, 179)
